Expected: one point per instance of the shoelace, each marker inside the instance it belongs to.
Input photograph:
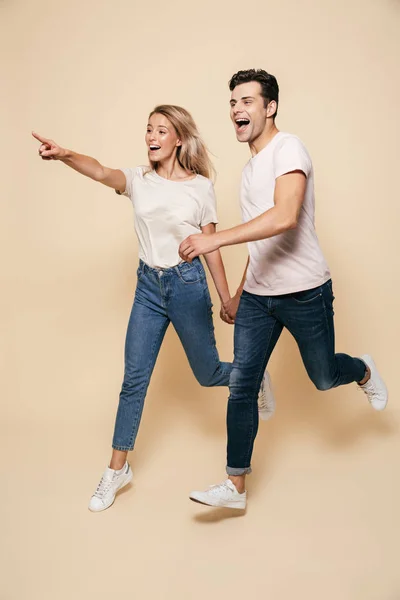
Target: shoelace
(219, 488)
(103, 488)
(369, 389)
(262, 399)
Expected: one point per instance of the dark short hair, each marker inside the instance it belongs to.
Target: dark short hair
(268, 83)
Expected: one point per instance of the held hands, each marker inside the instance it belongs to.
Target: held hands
(230, 308)
(48, 149)
(224, 315)
(199, 243)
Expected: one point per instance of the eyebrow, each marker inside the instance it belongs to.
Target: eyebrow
(242, 98)
(158, 126)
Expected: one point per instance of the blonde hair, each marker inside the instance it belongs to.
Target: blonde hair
(192, 155)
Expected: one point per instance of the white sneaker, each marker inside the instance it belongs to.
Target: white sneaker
(224, 494)
(375, 388)
(110, 483)
(266, 399)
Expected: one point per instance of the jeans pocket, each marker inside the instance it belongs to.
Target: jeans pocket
(190, 272)
(307, 296)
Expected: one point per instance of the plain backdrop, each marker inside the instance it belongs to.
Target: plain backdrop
(323, 518)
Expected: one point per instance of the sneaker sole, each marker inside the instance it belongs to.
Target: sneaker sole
(237, 505)
(125, 483)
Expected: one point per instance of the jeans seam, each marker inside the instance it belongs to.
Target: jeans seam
(339, 375)
(330, 336)
(250, 439)
(326, 321)
(211, 329)
(252, 424)
(149, 368)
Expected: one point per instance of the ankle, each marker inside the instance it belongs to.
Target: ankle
(366, 377)
(116, 466)
(118, 459)
(117, 463)
(239, 482)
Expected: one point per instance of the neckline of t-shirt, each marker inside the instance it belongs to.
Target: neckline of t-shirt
(174, 180)
(272, 142)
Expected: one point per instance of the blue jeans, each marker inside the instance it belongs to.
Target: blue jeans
(308, 315)
(180, 296)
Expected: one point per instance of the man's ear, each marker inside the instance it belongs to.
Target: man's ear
(272, 108)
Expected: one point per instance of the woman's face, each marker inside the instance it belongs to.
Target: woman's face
(161, 138)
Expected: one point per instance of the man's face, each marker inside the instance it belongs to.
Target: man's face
(248, 113)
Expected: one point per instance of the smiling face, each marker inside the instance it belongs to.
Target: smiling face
(161, 138)
(249, 113)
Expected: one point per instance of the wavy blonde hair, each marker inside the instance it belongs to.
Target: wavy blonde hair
(193, 154)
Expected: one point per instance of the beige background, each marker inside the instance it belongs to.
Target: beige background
(323, 518)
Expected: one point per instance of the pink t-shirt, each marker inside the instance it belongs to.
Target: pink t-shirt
(291, 261)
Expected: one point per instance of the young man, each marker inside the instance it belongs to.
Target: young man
(287, 283)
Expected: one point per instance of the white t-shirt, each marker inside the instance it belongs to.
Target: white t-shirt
(291, 261)
(167, 212)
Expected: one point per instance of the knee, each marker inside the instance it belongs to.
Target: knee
(130, 380)
(205, 379)
(212, 375)
(242, 390)
(243, 380)
(133, 381)
(323, 383)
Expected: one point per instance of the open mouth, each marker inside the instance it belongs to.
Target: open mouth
(241, 124)
(154, 148)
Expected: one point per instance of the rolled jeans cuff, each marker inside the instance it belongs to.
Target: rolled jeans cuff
(238, 470)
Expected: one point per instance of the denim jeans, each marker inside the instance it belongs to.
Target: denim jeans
(180, 296)
(308, 315)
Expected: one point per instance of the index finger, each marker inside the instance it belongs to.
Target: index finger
(184, 248)
(40, 138)
(184, 242)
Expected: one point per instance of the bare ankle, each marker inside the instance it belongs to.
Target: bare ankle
(118, 460)
(367, 376)
(239, 482)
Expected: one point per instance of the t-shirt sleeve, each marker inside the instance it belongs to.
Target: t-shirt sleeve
(292, 156)
(129, 175)
(209, 207)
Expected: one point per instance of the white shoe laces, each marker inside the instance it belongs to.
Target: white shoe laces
(262, 398)
(370, 389)
(265, 401)
(103, 488)
(220, 489)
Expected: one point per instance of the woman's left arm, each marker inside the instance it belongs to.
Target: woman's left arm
(217, 270)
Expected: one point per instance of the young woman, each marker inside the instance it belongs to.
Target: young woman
(172, 198)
